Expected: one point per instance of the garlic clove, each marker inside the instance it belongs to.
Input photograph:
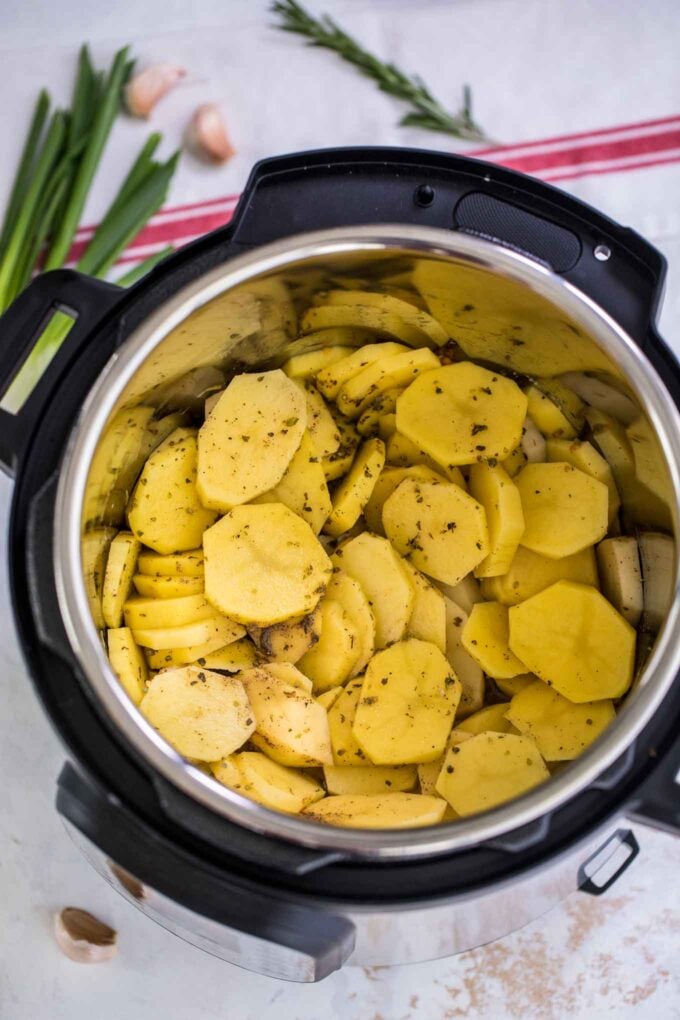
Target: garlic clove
(84, 938)
(145, 89)
(207, 135)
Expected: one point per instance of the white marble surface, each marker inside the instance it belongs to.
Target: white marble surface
(616, 956)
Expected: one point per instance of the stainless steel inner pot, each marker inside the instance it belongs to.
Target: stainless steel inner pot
(243, 314)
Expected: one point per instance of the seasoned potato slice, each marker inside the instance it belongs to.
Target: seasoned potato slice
(439, 527)
(401, 452)
(256, 776)
(365, 316)
(351, 496)
(185, 564)
(372, 562)
(489, 769)
(428, 616)
(515, 462)
(387, 482)
(602, 395)
(341, 714)
(428, 772)
(331, 660)
(291, 727)
(564, 509)
(464, 666)
(231, 658)
(510, 686)
(349, 594)
(461, 414)
(560, 729)
(485, 639)
(204, 715)
(287, 673)
(204, 632)
(387, 426)
(189, 655)
(493, 489)
(650, 463)
(94, 550)
(556, 410)
(321, 425)
(586, 458)
(339, 463)
(158, 586)
(385, 403)
(249, 440)
(369, 779)
(657, 560)
(618, 560)
(397, 370)
(120, 568)
(418, 326)
(303, 488)
(572, 637)
(531, 573)
(165, 510)
(142, 614)
(491, 719)
(380, 811)
(307, 364)
(118, 450)
(288, 642)
(127, 662)
(264, 565)
(328, 698)
(329, 380)
(408, 700)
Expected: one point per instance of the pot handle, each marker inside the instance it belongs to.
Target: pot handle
(77, 297)
(208, 906)
(658, 804)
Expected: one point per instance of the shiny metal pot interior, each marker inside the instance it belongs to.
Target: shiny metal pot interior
(501, 306)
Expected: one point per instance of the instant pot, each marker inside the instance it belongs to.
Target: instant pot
(274, 893)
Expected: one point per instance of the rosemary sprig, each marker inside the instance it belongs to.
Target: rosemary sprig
(426, 111)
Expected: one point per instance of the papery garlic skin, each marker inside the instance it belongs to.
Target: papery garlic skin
(207, 135)
(145, 89)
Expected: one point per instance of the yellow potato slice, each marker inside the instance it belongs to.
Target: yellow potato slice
(515, 462)
(121, 446)
(165, 511)
(231, 658)
(493, 488)
(387, 426)
(351, 496)
(510, 686)
(397, 370)
(329, 380)
(428, 772)
(657, 561)
(384, 404)
(264, 565)
(349, 594)
(307, 364)
(531, 573)
(143, 614)
(461, 414)
(346, 750)
(560, 729)
(571, 637)
(215, 628)
(157, 586)
(372, 562)
(401, 452)
(428, 616)
(204, 715)
(370, 779)
(331, 660)
(321, 426)
(274, 785)
(120, 568)
(491, 719)
(556, 410)
(408, 700)
(291, 727)
(339, 463)
(439, 527)
(249, 440)
(650, 463)
(464, 666)
(385, 322)
(618, 560)
(422, 328)
(328, 698)
(303, 488)
(602, 396)
(287, 673)
(380, 811)
(564, 509)
(288, 642)
(94, 550)
(186, 564)
(485, 638)
(488, 770)
(387, 482)
(586, 458)
(190, 655)
(127, 662)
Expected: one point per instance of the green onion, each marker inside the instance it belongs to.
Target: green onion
(142, 268)
(139, 171)
(21, 180)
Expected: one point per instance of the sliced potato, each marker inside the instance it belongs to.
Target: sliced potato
(321, 425)
(307, 364)
(94, 550)
(143, 614)
(515, 462)
(120, 568)
(363, 316)
(118, 459)
(231, 658)
(341, 714)
(287, 673)
(291, 727)
(464, 666)
(485, 638)
(274, 785)
(353, 493)
(127, 662)
(408, 700)
(555, 409)
(565, 510)
(288, 642)
(602, 395)
(372, 562)
(618, 561)
(169, 586)
(512, 685)
(422, 328)
(249, 440)
(189, 655)
(428, 616)
(380, 811)
(439, 527)
(203, 632)
(462, 413)
(397, 370)
(329, 380)
(428, 772)
(339, 463)
(369, 779)
(328, 698)
(185, 564)
(491, 719)
(349, 594)
(385, 403)
(331, 660)
(650, 463)
(493, 489)
(204, 715)
(531, 573)
(401, 452)
(165, 511)
(657, 559)
(303, 488)
(466, 594)
(488, 770)
(571, 637)
(560, 729)
(387, 426)
(389, 479)
(264, 565)
(586, 458)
